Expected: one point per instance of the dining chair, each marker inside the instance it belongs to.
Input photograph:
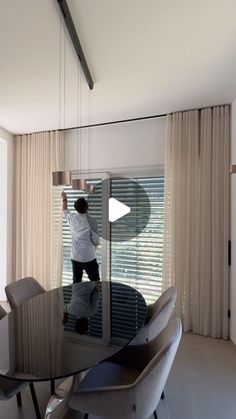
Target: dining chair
(157, 318)
(2, 312)
(10, 388)
(19, 291)
(129, 384)
(57, 407)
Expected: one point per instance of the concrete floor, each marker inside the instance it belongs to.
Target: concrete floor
(202, 384)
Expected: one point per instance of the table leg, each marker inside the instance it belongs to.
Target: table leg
(18, 397)
(52, 387)
(35, 401)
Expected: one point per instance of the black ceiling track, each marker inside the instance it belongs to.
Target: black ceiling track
(75, 40)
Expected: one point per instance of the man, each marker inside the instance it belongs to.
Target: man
(85, 240)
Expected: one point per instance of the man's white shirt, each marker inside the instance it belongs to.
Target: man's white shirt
(84, 234)
(84, 300)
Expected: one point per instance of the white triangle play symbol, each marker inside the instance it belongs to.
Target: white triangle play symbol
(117, 210)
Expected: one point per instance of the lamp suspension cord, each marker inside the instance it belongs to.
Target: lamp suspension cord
(89, 134)
(59, 79)
(64, 97)
(88, 131)
(77, 132)
(80, 110)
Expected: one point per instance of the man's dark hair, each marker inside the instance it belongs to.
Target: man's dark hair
(81, 205)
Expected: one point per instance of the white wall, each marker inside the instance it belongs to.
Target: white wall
(6, 167)
(233, 227)
(126, 145)
(3, 215)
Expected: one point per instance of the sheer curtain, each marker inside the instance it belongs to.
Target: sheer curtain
(196, 221)
(37, 235)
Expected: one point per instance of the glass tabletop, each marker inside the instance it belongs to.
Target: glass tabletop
(69, 329)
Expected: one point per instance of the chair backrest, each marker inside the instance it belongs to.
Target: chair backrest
(19, 291)
(158, 316)
(2, 312)
(160, 354)
(166, 296)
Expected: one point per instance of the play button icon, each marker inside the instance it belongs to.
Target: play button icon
(121, 207)
(117, 210)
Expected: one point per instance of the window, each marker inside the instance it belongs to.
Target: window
(137, 262)
(95, 209)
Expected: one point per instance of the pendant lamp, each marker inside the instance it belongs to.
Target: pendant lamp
(80, 183)
(62, 178)
(66, 177)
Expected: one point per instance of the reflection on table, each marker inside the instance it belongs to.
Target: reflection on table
(83, 308)
(69, 329)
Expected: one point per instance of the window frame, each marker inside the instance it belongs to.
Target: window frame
(132, 173)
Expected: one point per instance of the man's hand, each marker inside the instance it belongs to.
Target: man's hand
(64, 201)
(98, 286)
(63, 195)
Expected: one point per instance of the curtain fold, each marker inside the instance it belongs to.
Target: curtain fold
(37, 235)
(196, 217)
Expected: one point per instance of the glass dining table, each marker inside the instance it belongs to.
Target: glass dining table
(68, 330)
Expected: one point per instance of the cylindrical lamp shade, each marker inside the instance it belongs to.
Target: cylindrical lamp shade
(61, 178)
(91, 188)
(79, 184)
(82, 185)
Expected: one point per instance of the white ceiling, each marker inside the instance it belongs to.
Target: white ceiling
(146, 57)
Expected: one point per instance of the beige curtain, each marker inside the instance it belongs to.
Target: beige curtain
(196, 221)
(36, 232)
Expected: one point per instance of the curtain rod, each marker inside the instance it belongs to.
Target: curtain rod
(125, 120)
(136, 119)
(113, 122)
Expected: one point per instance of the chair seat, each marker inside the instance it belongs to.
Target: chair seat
(9, 388)
(108, 374)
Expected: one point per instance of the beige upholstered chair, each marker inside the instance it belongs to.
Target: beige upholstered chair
(19, 291)
(158, 316)
(10, 388)
(129, 385)
(2, 312)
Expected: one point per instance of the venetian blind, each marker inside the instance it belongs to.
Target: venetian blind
(138, 262)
